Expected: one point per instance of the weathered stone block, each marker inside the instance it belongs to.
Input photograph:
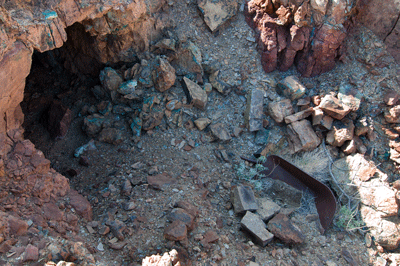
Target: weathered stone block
(279, 110)
(267, 209)
(302, 137)
(195, 93)
(291, 87)
(285, 230)
(333, 107)
(243, 199)
(253, 114)
(341, 132)
(298, 116)
(256, 227)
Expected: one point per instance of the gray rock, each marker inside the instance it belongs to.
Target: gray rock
(218, 84)
(219, 131)
(291, 87)
(253, 115)
(262, 136)
(243, 199)
(267, 209)
(217, 12)
(196, 94)
(256, 227)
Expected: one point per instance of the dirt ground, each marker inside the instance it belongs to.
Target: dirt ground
(201, 176)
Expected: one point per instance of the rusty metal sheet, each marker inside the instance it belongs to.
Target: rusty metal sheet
(280, 169)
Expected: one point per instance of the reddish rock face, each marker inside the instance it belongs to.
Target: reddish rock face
(286, 32)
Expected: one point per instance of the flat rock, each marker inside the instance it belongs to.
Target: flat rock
(210, 237)
(243, 199)
(256, 227)
(220, 131)
(195, 93)
(321, 120)
(341, 131)
(267, 209)
(176, 231)
(333, 107)
(217, 12)
(282, 228)
(159, 181)
(31, 253)
(291, 88)
(281, 109)
(188, 207)
(202, 123)
(253, 115)
(80, 204)
(302, 137)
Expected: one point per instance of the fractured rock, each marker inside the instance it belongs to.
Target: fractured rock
(188, 207)
(393, 114)
(218, 84)
(299, 115)
(243, 199)
(219, 130)
(110, 80)
(350, 96)
(285, 230)
(279, 110)
(195, 93)
(117, 228)
(165, 75)
(333, 107)
(253, 115)
(321, 120)
(182, 215)
(291, 88)
(202, 123)
(302, 137)
(176, 231)
(391, 98)
(267, 209)
(341, 132)
(217, 12)
(256, 227)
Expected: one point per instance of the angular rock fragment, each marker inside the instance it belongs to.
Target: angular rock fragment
(176, 231)
(188, 207)
(187, 59)
(110, 80)
(393, 114)
(267, 209)
(302, 137)
(285, 230)
(243, 199)
(291, 88)
(217, 12)
(195, 93)
(333, 107)
(391, 97)
(256, 227)
(58, 119)
(350, 96)
(381, 198)
(253, 115)
(80, 204)
(218, 84)
(298, 116)
(279, 110)
(341, 132)
(111, 135)
(202, 123)
(117, 228)
(164, 75)
(219, 131)
(182, 215)
(321, 120)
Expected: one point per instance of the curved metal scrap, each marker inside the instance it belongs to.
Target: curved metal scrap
(280, 169)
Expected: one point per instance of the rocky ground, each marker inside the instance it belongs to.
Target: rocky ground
(138, 184)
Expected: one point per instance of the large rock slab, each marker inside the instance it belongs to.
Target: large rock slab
(256, 227)
(243, 199)
(253, 115)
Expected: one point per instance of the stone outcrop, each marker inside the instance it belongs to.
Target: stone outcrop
(311, 32)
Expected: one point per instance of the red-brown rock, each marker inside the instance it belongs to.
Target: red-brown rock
(176, 231)
(80, 204)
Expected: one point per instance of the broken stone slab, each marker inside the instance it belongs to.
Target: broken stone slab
(164, 75)
(341, 132)
(202, 123)
(187, 59)
(299, 115)
(195, 93)
(267, 209)
(393, 115)
(279, 110)
(256, 227)
(321, 120)
(243, 199)
(110, 80)
(217, 12)
(182, 215)
(333, 107)
(220, 131)
(218, 84)
(291, 88)
(302, 137)
(253, 115)
(285, 230)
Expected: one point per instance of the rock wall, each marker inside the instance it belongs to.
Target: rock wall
(119, 29)
(382, 17)
(308, 32)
